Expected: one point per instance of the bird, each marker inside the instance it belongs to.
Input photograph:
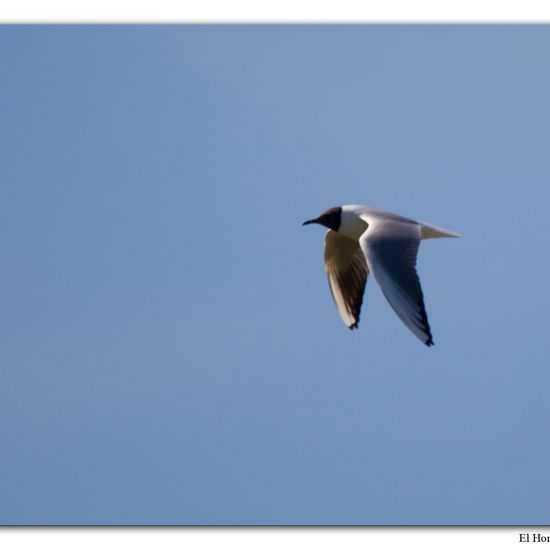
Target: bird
(362, 240)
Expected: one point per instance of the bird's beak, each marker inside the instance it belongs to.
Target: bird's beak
(309, 221)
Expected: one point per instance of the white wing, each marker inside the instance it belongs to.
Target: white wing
(347, 275)
(391, 247)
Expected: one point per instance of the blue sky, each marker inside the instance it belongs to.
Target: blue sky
(171, 352)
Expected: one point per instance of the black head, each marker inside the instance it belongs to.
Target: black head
(330, 218)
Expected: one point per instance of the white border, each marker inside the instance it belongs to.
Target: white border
(380, 538)
(275, 11)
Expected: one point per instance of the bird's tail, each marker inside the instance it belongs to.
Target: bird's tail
(428, 231)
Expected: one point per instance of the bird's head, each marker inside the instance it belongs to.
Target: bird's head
(331, 218)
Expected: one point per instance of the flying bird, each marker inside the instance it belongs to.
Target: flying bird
(362, 240)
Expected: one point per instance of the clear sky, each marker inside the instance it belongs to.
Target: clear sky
(170, 350)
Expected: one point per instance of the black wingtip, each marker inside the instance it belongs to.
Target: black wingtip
(355, 325)
(429, 342)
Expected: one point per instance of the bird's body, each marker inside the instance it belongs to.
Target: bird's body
(363, 240)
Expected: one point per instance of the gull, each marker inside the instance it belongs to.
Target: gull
(362, 240)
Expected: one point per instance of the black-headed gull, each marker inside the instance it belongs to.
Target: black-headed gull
(363, 240)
